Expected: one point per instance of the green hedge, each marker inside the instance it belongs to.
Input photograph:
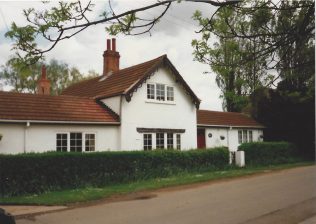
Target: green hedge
(266, 153)
(40, 172)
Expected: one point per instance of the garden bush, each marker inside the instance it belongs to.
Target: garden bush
(40, 172)
(266, 153)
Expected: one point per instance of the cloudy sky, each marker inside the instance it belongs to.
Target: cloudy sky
(172, 36)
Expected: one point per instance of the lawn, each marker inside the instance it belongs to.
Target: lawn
(67, 197)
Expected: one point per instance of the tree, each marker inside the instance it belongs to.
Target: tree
(230, 58)
(24, 78)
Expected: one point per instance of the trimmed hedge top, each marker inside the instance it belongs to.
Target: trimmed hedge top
(40, 172)
(266, 153)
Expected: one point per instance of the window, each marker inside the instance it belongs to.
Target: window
(61, 142)
(89, 142)
(150, 91)
(239, 136)
(244, 136)
(178, 142)
(169, 141)
(75, 142)
(160, 140)
(147, 142)
(250, 136)
(160, 92)
(170, 93)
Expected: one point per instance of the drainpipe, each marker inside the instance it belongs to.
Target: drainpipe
(25, 135)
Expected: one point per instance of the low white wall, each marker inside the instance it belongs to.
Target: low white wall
(42, 137)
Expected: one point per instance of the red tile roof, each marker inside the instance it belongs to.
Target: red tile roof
(125, 81)
(217, 118)
(22, 106)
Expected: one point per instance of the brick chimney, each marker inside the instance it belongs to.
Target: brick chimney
(43, 84)
(111, 58)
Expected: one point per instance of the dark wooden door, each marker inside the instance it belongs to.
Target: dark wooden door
(201, 139)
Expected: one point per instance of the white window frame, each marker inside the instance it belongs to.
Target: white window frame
(170, 139)
(83, 143)
(168, 90)
(178, 141)
(146, 146)
(158, 138)
(169, 93)
(85, 139)
(160, 92)
(67, 138)
(151, 95)
(245, 135)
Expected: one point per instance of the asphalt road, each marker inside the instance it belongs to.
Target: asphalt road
(288, 196)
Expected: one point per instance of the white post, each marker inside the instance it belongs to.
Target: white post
(240, 158)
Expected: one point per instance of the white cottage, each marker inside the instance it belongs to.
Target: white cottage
(143, 107)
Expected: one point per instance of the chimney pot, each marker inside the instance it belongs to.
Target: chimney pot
(108, 44)
(114, 44)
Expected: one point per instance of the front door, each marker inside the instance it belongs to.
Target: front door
(201, 138)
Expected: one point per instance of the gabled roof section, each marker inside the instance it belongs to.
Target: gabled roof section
(45, 108)
(226, 119)
(127, 81)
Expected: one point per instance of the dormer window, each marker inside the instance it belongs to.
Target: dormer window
(160, 92)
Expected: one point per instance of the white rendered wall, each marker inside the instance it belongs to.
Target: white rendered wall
(114, 103)
(231, 137)
(12, 138)
(42, 137)
(143, 113)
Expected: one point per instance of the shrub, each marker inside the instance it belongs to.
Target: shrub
(266, 153)
(40, 172)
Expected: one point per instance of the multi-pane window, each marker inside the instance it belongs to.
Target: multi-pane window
(178, 141)
(75, 142)
(250, 136)
(150, 91)
(147, 142)
(169, 140)
(170, 93)
(239, 136)
(61, 142)
(160, 140)
(160, 92)
(244, 136)
(89, 142)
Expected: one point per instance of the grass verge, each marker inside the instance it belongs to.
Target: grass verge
(91, 193)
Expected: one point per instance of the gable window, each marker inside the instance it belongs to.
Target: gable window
(170, 93)
(75, 142)
(178, 136)
(160, 140)
(160, 92)
(169, 141)
(147, 142)
(150, 91)
(89, 142)
(61, 142)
